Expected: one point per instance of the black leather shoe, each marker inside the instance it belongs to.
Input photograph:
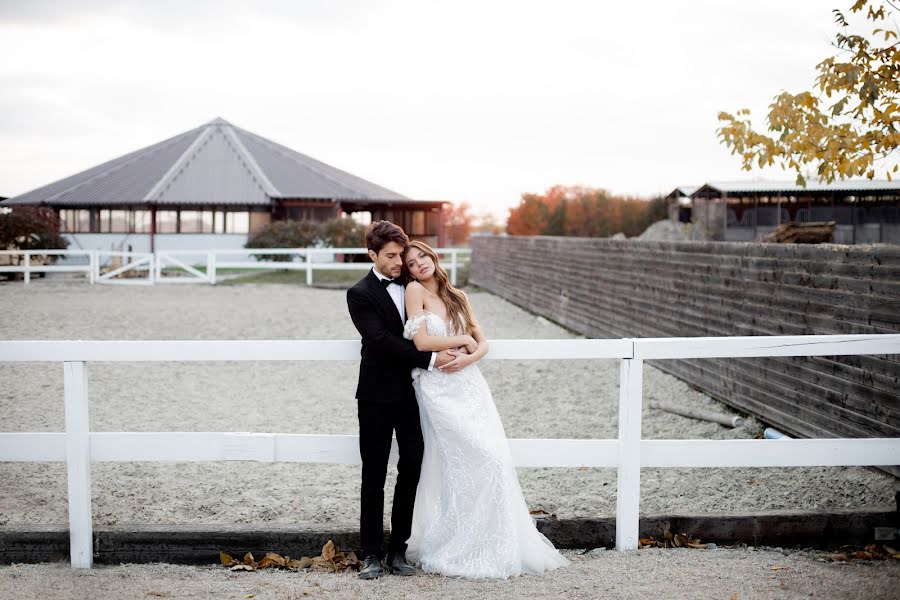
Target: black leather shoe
(397, 565)
(371, 568)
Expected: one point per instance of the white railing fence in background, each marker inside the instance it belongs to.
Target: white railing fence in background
(29, 262)
(78, 446)
(181, 266)
(100, 266)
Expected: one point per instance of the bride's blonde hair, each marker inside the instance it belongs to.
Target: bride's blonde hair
(455, 301)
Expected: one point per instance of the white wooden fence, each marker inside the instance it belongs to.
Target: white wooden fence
(181, 266)
(78, 446)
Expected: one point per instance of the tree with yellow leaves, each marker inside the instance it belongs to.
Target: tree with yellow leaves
(850, 125)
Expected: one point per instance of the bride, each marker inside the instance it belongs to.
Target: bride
(470, 518)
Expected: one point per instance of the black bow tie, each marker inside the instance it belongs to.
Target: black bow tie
(386, 282)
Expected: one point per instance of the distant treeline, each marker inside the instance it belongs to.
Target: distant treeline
(583, 212)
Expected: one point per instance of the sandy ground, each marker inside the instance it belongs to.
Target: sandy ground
(674, 574)
(576, 399)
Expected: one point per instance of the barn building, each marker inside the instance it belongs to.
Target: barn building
(212, 187)
(865, 211)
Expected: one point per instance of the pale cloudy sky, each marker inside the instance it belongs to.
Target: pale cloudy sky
(474, 101)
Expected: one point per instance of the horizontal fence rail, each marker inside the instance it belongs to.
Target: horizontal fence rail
(78, 446)
(146, 268)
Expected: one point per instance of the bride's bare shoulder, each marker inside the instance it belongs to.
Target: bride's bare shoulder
(414, 289)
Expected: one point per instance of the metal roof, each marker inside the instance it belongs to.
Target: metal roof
(216, 163)
(757, 187)
(683, 191)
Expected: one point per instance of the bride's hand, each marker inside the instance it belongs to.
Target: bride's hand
(470, 344)
(461, 361)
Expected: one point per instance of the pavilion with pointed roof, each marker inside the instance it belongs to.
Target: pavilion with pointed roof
(211, 187)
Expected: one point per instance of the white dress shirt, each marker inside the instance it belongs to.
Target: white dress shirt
(398, 295)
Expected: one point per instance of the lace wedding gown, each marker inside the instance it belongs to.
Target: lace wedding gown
(470, 517)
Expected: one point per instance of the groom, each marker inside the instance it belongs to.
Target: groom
(386, 401)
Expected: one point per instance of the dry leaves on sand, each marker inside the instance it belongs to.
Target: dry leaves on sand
(872, 552)
(678, 540)
(331, 560)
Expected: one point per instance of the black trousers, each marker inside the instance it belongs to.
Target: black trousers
(377, 422)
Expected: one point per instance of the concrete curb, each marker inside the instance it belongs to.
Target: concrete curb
(200, 544)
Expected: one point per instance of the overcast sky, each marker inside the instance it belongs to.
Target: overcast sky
(465, 101)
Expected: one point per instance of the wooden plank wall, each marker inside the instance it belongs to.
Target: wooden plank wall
(632, 288)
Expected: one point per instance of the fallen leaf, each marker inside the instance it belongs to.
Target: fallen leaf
(248, 559)
(328, 551)
(778, 568)
(863, 555)
(647, 541)
(265, 563)
(696, 544)
(305, 562)
(680, 540)
(889, 549)
(226, 559)
(840, 556)
(320, 564)
(276, 558)
(538, 512)
(242, 567)
(733, 596)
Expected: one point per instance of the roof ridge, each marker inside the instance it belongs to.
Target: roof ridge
(137, 154)
(169, 176)
(293, 155)
(255, 170)
(241, 154)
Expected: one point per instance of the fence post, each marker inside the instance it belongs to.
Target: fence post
(27, 265)
(151, 268)
(211, 267)
(91, 267)
(309, 268)
(78, 459)
(628, 491)
(453, 267)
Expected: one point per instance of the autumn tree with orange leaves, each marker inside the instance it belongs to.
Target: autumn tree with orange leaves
(582, 212)
(458, 224)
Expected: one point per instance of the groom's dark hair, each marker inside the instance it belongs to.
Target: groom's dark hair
(379, 233)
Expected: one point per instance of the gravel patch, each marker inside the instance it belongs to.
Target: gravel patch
(674, 574)
(571, 399)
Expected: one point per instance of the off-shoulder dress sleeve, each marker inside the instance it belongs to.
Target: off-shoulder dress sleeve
(414, 324)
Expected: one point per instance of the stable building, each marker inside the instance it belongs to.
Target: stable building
(864, 211)
(211, 188)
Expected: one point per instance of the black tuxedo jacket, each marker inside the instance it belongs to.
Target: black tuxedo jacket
(387, 358)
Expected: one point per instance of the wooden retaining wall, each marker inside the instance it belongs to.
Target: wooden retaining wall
(632, 288)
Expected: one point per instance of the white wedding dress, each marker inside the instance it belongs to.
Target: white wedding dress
(470, 518)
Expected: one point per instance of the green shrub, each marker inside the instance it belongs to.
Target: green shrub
(341, 232)
(344, 233)
(284, 234)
